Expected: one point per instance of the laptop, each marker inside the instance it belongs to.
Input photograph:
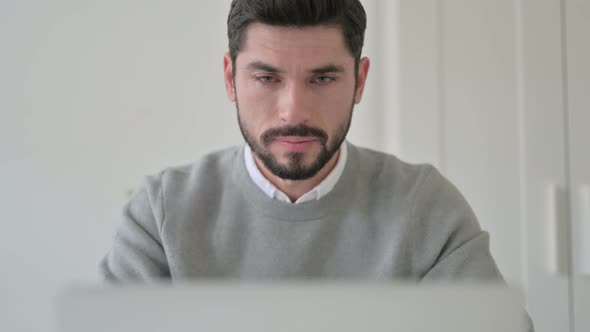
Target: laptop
(290, 307)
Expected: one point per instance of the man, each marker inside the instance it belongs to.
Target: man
(298, 201)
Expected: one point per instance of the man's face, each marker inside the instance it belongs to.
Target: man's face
(294, 89)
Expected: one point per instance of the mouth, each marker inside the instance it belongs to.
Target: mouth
(296, 143)
(295, 139)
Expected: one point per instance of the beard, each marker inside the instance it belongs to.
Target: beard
(295, 169)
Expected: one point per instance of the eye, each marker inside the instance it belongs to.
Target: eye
(324, 79)
(266, 79)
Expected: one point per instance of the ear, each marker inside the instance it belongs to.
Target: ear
(228, 75)
(363, 72)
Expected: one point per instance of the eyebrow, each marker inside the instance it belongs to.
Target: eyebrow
(259, 65)
(328, 69)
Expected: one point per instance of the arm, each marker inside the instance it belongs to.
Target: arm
(137, 252)
(457, 249)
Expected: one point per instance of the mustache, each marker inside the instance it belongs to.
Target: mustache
(299, 130)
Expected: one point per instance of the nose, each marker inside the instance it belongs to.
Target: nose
(294, 105)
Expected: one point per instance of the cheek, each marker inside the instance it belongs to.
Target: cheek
(253, 98)
(255, 107)
(335, 109)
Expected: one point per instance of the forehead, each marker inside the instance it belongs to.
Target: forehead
(286, 46)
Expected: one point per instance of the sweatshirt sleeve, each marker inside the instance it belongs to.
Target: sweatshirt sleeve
(137, 252)
(453, 245)
(448, 241)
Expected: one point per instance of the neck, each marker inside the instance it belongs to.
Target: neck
(297, 188)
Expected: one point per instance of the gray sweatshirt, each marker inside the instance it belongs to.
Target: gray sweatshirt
(384, 219)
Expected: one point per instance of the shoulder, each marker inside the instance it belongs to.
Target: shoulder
(426, 191)
(210, 169)
(440, 218)
(388, 173)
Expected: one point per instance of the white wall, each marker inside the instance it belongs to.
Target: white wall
(491, 92)
(460, 110)
(94, 94)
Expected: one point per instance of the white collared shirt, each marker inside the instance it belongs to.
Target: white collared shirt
(316, 193)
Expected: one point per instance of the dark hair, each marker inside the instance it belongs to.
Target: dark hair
(347, 14)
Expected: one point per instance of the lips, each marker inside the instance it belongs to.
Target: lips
(295, 139)
(296, 143)
(294, 135)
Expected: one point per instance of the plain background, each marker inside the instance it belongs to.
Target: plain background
(95, 94)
